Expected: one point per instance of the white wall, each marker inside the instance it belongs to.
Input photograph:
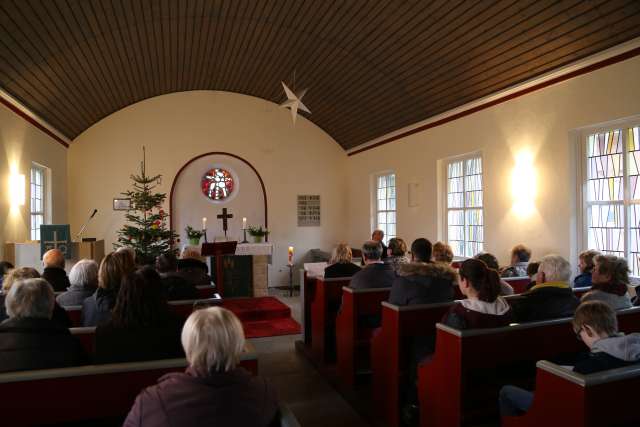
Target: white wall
(20, 144)
(540, 123)
(178, 127)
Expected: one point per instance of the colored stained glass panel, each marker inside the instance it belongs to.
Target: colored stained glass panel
(464, 205)
(217, 184)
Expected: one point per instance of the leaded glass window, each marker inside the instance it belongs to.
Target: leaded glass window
(613, 195)
(217, 184)
(465, 231)
(37, 200)
(386, 205)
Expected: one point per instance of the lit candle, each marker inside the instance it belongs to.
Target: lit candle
(290, 255)
(244, 223)
(204, 223)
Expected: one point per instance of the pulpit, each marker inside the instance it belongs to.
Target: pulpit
(218, 251)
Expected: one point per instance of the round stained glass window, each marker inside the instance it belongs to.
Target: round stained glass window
(217, 184)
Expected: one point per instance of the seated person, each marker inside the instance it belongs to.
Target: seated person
(5, 267)
(340, 264)
(585, 264)
(213, 388)
(29, 339)
(378, 236)
(53, 261)
(422, 281)
(396, 253)
(610, 277)
(492, 262)
(532, 272)
(141, 326)
(483, 307)
(375, 274)
(128, 257)
(596, 325)
(84, 282)
(520, 256)
(442, 253)
(551, 297)
(175, 286)
(97, 308)
(59, 314)
(192, 268)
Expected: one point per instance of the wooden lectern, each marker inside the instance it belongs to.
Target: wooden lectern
(219, 250)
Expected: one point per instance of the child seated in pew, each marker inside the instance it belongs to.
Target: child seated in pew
(585, 265)
(595, 324)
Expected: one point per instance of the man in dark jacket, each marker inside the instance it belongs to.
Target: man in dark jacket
(375, 274)
(552, 297)
(378, 236)
(29, 339)
(422, 281)
(53, 261)
(176, 286)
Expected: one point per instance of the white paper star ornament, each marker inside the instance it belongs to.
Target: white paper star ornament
(294, 102)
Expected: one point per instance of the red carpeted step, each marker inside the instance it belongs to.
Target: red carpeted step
(271, 328)
(257, 309)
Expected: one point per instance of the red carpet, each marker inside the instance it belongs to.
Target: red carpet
(263, 316)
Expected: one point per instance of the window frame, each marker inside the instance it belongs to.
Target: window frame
(584, 204)
(45, 198)
(374, 203)
(445, 198)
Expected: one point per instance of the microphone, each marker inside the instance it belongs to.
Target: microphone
(95, 211)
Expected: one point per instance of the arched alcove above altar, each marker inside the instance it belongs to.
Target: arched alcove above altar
(211, 182)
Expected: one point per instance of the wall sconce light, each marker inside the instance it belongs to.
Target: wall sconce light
(523, 185)
(16, 189)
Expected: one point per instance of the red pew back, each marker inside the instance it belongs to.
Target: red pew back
(325, 303)
(390, 351)
(519, 284)
(66, 395)
(587, 400)
(354, 338)
(447, 380)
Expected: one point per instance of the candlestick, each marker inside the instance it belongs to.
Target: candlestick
(244, 223)
(290, 255)
(204, 223)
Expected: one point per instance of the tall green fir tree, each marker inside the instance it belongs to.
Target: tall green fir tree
(146, 230)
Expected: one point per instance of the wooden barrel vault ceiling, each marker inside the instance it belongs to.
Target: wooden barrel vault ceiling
(371, 67)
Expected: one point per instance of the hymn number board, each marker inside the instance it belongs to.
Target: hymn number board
(308, 210)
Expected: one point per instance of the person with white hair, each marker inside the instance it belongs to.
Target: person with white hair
(84, 282)
(29, 339)
(552, 297)
(213, 388)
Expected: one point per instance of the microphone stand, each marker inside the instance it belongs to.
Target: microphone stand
(95, 211)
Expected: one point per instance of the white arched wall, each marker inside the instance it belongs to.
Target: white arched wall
(177, 127)
(189, 205)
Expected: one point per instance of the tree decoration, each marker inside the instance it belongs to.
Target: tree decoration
(146, 231)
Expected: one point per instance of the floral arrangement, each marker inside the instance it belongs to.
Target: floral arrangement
(257, 231)
(192, 233)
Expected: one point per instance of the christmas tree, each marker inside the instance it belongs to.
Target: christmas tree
(146, 230)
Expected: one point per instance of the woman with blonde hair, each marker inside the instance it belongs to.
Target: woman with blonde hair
(213, 388)
(113, 268)
(340, 264)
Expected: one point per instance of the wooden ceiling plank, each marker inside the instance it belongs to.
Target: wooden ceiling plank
(430, 88)
(193, 28)
(237, 31)
(141, 39)
(210, 22)
(224, 20)
(72, 49)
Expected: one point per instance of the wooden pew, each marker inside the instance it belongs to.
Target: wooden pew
(67, 395)
(182, 308)
(600, 399)
(325, 303)
(390, 352)
(206, 291)
(458, 384)
(519, 284)
(353, 338)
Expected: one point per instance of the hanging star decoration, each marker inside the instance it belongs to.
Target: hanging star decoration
(294, 102)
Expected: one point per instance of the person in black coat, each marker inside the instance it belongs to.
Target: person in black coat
(551, 297)
(375, 274)
(97, 308)
(175, 285)
(192, 268)
(422, 281)
(141, 326)
(341, 265)
(378, 236)
(29, 339)
(53, 261)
